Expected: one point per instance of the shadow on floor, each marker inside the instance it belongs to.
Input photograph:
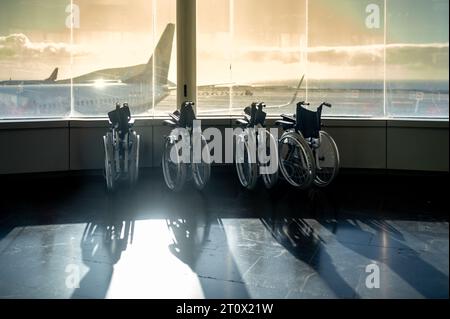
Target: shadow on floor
(314, 216)
(190, 227)
(104, 240)
(331, 230)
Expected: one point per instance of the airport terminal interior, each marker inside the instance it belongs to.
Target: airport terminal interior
(224, 149)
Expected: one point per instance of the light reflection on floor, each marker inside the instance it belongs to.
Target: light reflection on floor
(224, 244)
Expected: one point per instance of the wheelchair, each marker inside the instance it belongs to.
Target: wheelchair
(121, 145)
(308, 155)
(248, 162)
(178, 166)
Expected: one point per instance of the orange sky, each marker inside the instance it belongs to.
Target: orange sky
(261, 40)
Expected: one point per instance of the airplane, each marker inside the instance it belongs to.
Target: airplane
(94, 94)
(49, 80)
(269, 106)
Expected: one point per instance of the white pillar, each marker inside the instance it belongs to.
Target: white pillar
(186, 51)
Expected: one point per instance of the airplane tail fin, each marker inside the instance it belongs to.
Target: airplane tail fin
(160, 60)
(53, 76)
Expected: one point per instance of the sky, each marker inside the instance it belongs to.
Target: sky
(238, 40)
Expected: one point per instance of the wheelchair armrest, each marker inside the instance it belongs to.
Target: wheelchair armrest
(169, 123)
(290, 118)
(242, 122)
(131, 122)
(284, 124)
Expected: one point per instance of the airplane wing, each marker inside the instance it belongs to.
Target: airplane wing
(292, 101)
(107, 74)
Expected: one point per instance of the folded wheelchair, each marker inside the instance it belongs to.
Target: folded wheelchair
(178, 166)
(121, 144)
(253, 139)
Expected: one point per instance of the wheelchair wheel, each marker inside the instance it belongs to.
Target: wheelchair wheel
(246, 165)
(296, 160)
(270, 179)
(133, 170)
(202, 171)
(174, 173)
(327, 158)
(110, 170)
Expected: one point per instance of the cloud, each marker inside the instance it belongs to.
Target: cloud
(424, 55)
(363, 55)
(283, 56)
(18, 45)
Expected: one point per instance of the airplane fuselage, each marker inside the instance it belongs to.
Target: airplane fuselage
(91, 99)
(26, 82)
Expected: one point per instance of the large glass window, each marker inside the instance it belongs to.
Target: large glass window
(369, 58)
(35, 52)
(417, 58)
(346, 56)
(214, 47)
(128, 55)
(268, 53)
(253, 50)
(105, 52)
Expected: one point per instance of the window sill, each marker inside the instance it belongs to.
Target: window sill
(222, 120)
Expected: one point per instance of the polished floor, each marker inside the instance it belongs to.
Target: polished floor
(63, 237)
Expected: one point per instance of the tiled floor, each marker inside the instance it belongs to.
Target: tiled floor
(225, 242)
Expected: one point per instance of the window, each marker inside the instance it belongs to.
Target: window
(118, 40)
(417, 58)
(251, 51)
(268, 53)
(102, 51)
(369, 58)
(346, 56)
(35, 50)
(214, 46)
(377, 58)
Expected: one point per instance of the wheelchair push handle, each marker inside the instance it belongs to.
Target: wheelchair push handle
(303, 103)
(254, 114)
(326, 104)
(186, 104)
(258, 105)
(251, 108)
(120, 115)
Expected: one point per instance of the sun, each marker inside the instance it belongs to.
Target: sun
(99, 83)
